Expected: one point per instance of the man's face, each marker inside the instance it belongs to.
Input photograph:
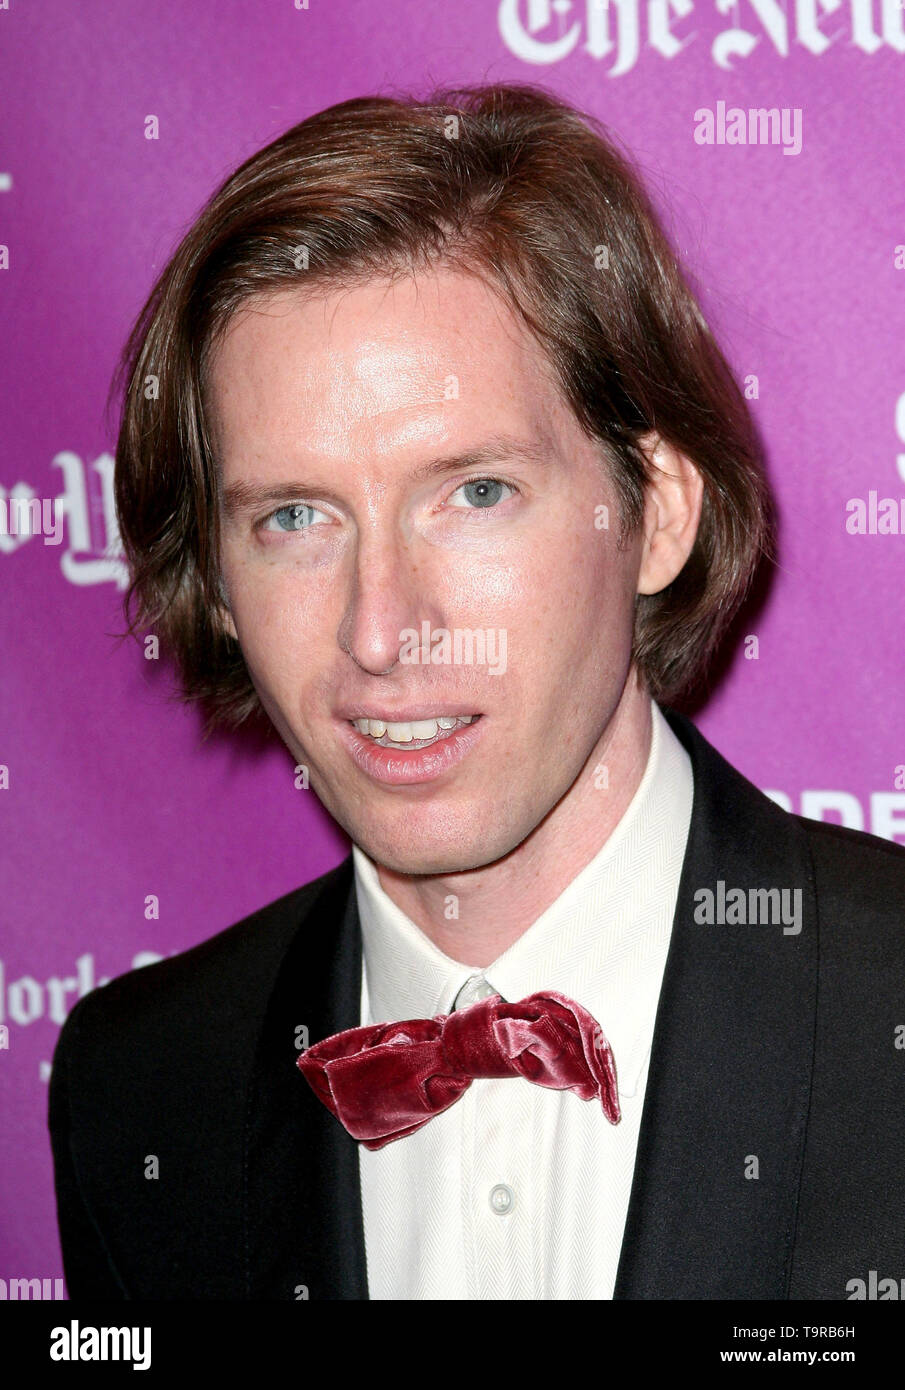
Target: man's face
(343, 425)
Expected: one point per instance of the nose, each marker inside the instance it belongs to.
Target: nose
(389, 592)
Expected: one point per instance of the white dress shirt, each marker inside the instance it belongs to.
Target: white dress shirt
(518, 1191)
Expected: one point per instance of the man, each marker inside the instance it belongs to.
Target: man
(442, 470)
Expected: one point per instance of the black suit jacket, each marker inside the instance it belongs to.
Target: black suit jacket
(767, 1044)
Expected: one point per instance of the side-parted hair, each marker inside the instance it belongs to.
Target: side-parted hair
(505, 182)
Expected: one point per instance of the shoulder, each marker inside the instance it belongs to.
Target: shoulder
(221, 985)
(855, 881)
(860, 886)
(158, 1065)
(837, 848)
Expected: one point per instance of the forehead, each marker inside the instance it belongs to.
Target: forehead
(403, 357)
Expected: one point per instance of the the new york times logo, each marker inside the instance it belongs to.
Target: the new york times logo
(749, 907)
(77, 1343)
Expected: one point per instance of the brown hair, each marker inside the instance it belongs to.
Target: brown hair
(506, 182)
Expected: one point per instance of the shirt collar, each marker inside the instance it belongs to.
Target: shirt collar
(603, 942)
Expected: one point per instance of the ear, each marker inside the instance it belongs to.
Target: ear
(673, 498)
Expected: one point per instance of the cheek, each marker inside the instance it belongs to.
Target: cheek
(581, 582)
(571, 625)
(485, 588)
(282, 618)
(535, 575)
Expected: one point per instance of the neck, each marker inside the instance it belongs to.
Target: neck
(498, 902)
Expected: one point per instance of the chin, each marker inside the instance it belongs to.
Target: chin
(427, 861)
(415, 853)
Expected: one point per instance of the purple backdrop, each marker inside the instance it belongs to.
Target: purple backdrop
(797, 243)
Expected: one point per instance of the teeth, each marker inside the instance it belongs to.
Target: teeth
(412, 730)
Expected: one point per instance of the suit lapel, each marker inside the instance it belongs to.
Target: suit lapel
(730, 1069)
(303, 1220)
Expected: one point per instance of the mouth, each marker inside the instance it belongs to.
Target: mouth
(406, 753)
(411, 735)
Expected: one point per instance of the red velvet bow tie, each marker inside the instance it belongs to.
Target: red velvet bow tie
(386, 1080)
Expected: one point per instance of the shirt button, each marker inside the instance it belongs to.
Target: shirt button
(502, 1199)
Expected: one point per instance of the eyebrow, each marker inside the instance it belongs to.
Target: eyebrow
(242, 496)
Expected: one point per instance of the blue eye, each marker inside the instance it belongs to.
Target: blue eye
(483, 492)
(297, 516)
